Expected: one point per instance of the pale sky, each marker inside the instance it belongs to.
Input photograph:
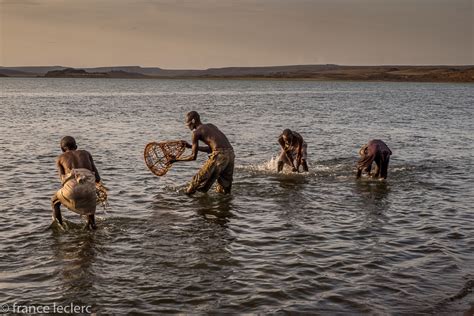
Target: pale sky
(198, 34)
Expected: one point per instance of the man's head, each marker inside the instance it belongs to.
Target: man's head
(68, 143)
(287, 136)
(193, 120)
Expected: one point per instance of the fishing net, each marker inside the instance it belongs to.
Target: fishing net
(101, 195)
(158, 155)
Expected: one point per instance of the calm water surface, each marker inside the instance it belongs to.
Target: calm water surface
(319, 242)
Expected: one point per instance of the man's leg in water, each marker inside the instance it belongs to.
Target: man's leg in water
(305, 165)
(384, 170)
(205, 177)
(304, 157)
(377, 167)
(91, 222)
(224, 181)
(282, 160)
(57, 213)
(280, 165)
(56, 205)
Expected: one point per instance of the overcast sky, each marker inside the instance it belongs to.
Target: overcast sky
(197, 34)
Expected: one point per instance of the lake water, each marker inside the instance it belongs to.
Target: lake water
(320, 242)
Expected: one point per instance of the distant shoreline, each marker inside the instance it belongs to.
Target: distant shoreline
(461, 74)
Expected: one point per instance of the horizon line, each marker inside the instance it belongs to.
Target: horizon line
(262, 66)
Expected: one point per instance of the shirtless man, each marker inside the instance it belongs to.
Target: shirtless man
(293, 147)
(374, 151)
(219, 166)
(78, 176)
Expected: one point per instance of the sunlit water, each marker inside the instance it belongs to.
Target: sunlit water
(320, 242)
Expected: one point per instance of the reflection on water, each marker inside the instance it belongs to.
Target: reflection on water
(220, 207)
(75, 252)
(316, 242)
(373, 193)
(292, 182)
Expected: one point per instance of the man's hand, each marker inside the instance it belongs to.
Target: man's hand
(172, 159)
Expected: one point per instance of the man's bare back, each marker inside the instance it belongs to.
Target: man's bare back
(293, 151)
(77, 172)
(374, 151)
(74, 160)
(212, 137)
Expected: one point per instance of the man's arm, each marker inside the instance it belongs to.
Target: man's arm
(285, 150)
(205, 149)
(281, 142)
(60, 168)
(94, 169)
(298, 156)
(299, 153)
(194, 150)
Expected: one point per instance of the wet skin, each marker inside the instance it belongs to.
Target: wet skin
(207, 133)
(374, 151)
(287, 145)
(74, 159)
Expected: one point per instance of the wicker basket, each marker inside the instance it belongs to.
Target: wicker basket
(158, 155)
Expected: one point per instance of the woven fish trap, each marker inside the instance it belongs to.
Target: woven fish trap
(158, 155)
(101, 195)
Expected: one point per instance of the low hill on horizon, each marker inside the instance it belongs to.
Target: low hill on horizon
(81, 73)
(313, 72)
(156, 71)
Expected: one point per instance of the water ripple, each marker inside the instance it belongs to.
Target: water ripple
(316, 242)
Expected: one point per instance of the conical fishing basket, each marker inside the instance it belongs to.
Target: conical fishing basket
(158, 155)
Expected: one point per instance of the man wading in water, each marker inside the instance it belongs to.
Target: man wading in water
(293, 147)
(219, 166)
(78, 176)
(374, 151)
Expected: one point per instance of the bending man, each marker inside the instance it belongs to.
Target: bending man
(374, 151)
(78, 176)
(293, 148)
(219, 166)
